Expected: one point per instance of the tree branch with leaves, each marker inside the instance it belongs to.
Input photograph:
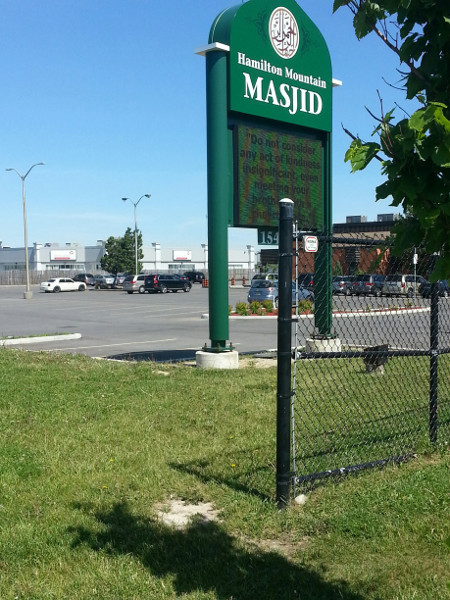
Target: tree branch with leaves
(414, 151)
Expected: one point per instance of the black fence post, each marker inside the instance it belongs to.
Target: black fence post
(434, 357)
(285, 238)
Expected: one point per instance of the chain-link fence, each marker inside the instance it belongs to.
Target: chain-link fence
(372, 363)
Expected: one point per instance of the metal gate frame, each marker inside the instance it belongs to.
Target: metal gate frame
(299, 354)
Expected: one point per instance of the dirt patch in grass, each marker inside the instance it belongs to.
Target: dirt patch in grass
(257, 362)
(179, 514)
(281, 545)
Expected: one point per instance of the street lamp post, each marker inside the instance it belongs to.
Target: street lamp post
(28, 294)
(135, 229)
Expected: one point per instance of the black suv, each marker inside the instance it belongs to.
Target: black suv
(442, 286)
(306, 280)
(167, 283)
(195, 276)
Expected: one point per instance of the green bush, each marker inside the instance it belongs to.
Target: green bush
(268, 305)
(242, 309)
(255, 307)
(304, 306)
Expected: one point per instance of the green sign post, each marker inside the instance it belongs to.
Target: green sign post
(269, 92)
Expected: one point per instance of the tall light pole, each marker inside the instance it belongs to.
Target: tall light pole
(28, 294)
(135, 229)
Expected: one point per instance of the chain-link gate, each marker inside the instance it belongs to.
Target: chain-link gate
(374, 386)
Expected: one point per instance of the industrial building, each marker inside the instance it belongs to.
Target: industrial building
(71, 258)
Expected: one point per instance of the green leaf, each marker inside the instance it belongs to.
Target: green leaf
(442, 268)
(359, 155)
(407, 46)
(441, 157)
(364, 22)
(441, 119)
(383, 191)
(414, 86)
(418, 120)
(406, 29)
(339, 3)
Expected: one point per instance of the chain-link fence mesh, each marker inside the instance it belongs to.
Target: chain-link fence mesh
(372, 362)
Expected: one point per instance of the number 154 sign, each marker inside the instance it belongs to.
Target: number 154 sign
(267, 237)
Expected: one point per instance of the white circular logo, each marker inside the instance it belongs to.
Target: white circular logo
(283, 32)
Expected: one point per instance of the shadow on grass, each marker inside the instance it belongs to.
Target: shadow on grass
(204, 558)
(253, 481)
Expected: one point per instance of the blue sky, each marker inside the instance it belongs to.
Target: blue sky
(111, 96)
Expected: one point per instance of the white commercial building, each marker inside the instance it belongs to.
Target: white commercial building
(73, 257)
(157, 258)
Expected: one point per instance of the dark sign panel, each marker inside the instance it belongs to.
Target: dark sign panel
(271, 164)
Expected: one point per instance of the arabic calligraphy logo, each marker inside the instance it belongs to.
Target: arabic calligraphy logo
(283, 32)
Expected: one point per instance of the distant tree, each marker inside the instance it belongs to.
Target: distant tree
(120, 254)
(414, 152)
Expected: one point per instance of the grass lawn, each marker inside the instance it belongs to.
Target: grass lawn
(90, 449)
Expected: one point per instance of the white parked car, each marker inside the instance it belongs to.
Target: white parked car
(62, 284)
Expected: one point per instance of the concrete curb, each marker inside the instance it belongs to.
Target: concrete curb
(39, 339)
(341, 315)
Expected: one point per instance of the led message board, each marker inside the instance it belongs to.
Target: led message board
(271, 164)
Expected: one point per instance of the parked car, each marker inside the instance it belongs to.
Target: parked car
(167, 283)
(306, 280)
(119, 279)
(104, 281)
(365, 285)
(301, 293)
(62, 284)
(263, 289)
(195, 276)
(86, 278)
(265, 276)
(341, 283)
(443, 289)
(402, 285)
(182, 277)
(134, 283)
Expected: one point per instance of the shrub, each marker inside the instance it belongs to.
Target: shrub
(255, 307)
(268, 305)
(304, 306)
(242, 309)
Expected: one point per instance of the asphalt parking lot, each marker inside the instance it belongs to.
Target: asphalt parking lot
(113, 323)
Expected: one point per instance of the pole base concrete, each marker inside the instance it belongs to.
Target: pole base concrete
(28, 295)
(217, 360)
(323, 345)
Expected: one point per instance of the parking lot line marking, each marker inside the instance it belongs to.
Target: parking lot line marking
(111, 345)
(149, 310)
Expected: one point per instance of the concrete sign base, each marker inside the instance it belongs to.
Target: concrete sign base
(323, 345)
(217, 360)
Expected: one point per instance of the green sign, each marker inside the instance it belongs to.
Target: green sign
(280, 66)
(272, 164)
(269, 108)
(267, 237)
